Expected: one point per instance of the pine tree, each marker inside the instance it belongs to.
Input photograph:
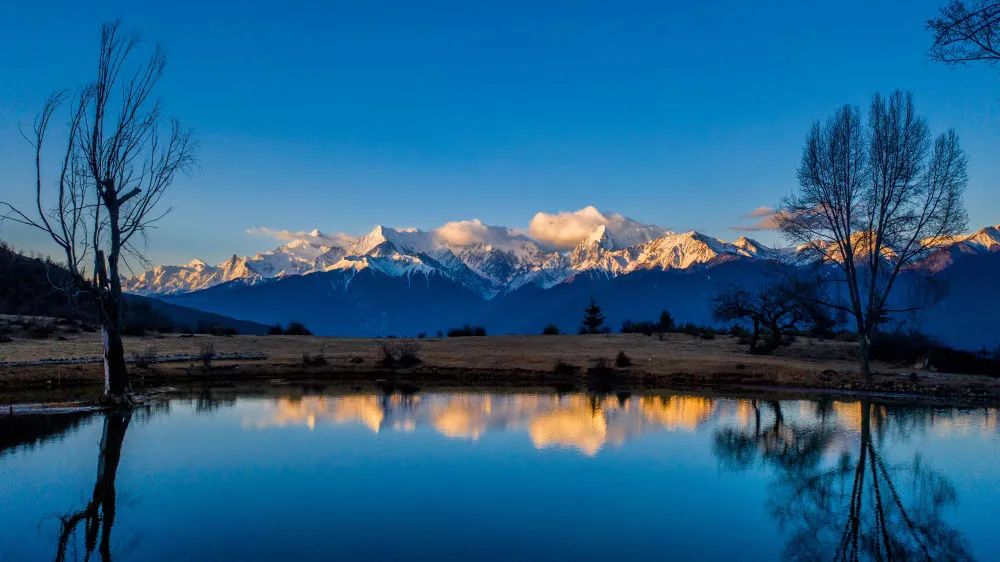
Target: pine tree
(593, 319)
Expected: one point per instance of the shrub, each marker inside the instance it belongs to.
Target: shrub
(399, 354)
(206, 352)
(275, 330)
(297, 329)
(550, 330)
(622, 360)
(317, 360)
(421, 335)
(563, 368)
(144, 358)
(707, 335)
(4, 338)
(601, 367)
(466, 331)
(914, 348)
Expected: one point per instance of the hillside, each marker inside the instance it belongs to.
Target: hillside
(28, 287)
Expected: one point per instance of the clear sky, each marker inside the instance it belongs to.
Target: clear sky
(349, 114)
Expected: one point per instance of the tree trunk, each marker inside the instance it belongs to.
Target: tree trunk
(117, 388)
(864, 355)
(116, 383)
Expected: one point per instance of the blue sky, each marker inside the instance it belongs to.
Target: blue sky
(349, 114)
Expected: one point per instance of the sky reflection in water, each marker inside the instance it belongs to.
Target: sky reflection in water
(503, 476)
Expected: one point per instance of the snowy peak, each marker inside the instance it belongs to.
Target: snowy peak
(493, 259)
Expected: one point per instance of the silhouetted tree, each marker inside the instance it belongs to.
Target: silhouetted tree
(666, 321)
(966, 31)
(875, 199)
(593, 319)
(116, 164)
(774, 310)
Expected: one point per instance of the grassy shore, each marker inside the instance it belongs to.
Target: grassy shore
(678, 361)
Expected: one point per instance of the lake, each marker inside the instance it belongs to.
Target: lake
(305, 473)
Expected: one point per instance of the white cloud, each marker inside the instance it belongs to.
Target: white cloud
(293, 235)
(566, 229)
(472, 232)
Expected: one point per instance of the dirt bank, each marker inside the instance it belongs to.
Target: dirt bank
(679, 361)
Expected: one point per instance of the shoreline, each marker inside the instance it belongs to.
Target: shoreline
(680, 362)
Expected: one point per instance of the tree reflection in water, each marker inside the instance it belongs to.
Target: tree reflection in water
(98, 516)
(849, 509)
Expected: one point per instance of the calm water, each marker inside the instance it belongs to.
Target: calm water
(502, 476)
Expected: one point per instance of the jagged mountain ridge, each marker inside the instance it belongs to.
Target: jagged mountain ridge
(485, 268)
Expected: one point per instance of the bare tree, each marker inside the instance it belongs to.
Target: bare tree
(118, 158)
(773, 311)
(966, 32)
(875, 200)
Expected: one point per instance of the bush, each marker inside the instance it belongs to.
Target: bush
(421, 335)
(601, 367)
(550, 330)
(916, 349)
(466, 331)
(563, 368)
(399, 354)
(275, 330)
(144, 358)
(622, 360)
(297, 329)
(317, 360)
(206, 352)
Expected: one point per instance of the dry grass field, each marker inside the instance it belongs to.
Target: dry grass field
(677, 360)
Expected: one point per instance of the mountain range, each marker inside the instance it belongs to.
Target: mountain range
(407, 281)
(498, 266)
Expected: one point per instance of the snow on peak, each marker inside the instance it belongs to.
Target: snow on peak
(489, 259)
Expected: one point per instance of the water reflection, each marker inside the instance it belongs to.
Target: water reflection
(835, 494)
(843, 480)
(583, 422)
(98, 516)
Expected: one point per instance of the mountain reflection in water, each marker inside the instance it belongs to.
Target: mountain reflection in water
(585, 423)
(841, 482)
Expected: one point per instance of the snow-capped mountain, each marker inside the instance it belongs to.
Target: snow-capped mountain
(492, 260)
(504, 262)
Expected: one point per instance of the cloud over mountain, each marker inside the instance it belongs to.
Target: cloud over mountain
(566, 229)
(293, 235)
(471, 233)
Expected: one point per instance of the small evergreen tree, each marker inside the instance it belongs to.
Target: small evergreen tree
(593, 319)
(666, 321)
